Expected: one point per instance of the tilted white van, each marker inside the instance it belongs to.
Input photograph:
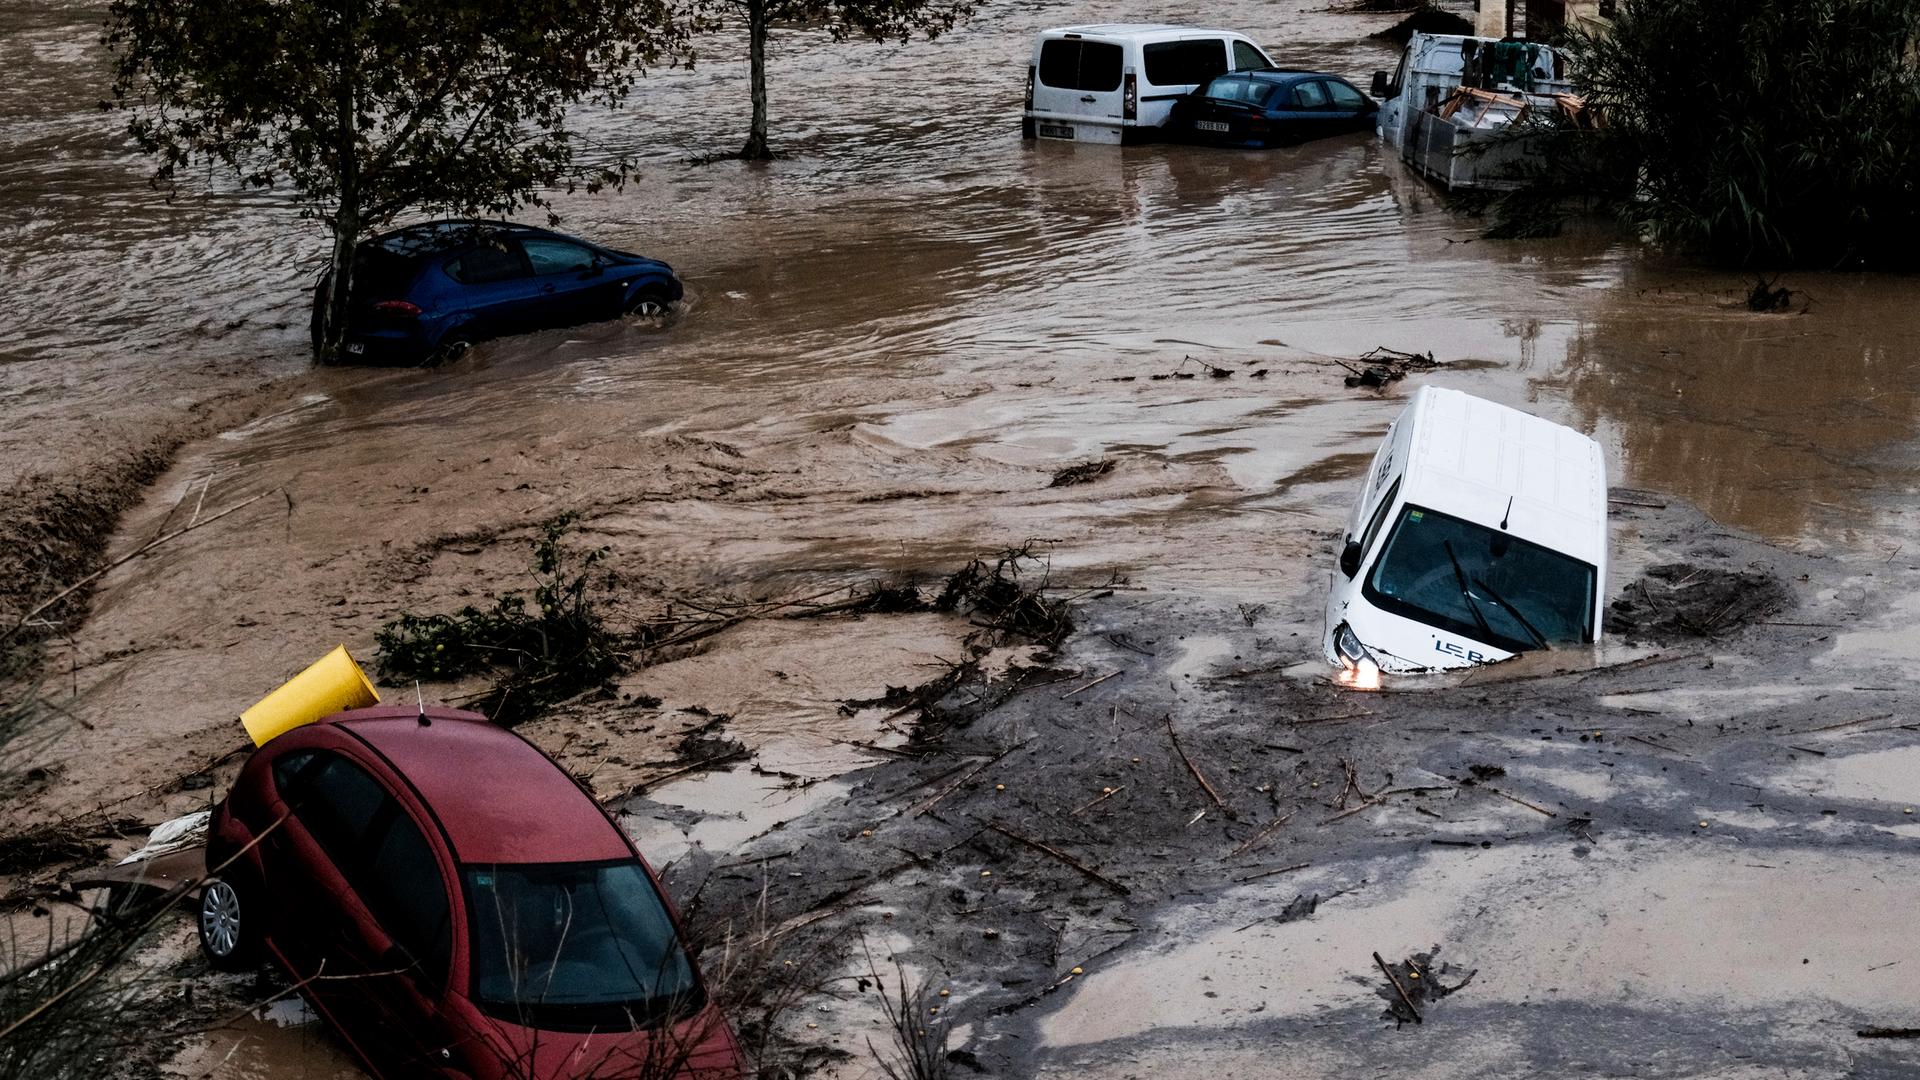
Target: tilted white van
(1481, 532)
(1116, 82)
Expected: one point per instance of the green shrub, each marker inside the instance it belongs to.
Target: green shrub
(542, 649)
(1756, 132)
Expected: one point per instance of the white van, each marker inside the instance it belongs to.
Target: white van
(1116, 82)
(1481, 532)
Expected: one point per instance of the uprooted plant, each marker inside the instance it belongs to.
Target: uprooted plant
(1010, 606)
(919, 1030)
(559, 641)
(542, 649)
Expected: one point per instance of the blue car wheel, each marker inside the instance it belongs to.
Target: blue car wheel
(651, 302)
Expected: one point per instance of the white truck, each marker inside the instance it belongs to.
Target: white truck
(1448, 106)
(1480, 532)
(1117, 82)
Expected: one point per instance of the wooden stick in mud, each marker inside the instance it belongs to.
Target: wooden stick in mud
(1847, 723)
(1658, 746)
(1397, 988)
(1090, 685)
(1060, 855)
(716, 759)
(1352, 810)
(956, 785)
(1271, 873)
(1259, 838)
(1104, 796)
(127, 558)
(1191, 767)
(1523, 802)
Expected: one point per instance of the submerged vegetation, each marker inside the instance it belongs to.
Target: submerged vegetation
(541, 650)
(1756, 132)
(559, 642)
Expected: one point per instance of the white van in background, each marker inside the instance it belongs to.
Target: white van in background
(1116, 82)
(1480, 532)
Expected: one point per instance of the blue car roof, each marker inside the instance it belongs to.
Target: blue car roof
(1285, 75)
(433, 237)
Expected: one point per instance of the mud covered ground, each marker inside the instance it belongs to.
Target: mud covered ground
(918, 341)
(1173, 843)
(1648, 869)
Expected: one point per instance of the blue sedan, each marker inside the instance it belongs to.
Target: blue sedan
(1271, 108)
(426, 292)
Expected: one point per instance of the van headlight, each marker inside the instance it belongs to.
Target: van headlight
(1347, 644)
(1361, 671)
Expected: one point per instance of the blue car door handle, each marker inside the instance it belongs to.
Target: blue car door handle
(547, 288)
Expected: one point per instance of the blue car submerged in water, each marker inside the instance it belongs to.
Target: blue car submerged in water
(1271, 108)
(426, 292)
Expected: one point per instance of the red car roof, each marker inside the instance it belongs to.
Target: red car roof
(498, 797)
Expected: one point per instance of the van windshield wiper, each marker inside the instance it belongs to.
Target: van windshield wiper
(1460, 576)
(1538, 638)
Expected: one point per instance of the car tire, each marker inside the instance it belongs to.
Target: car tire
(650, 303)
(451, 348)
(229, 927)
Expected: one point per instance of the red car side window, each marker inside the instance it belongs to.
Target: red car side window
(377, 848)
(337, 801)
(403, 888)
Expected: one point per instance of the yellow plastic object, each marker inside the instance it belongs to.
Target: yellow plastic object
(332, 684)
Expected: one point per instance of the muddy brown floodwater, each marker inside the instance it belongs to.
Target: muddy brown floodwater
(894, 336)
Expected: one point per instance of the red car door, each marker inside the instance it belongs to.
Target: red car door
(404, 926)
(341, 837)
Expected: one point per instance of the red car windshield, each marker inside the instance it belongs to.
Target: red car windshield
(576, 945)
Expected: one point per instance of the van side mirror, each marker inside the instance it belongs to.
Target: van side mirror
(1381, 88)
(1350, 558)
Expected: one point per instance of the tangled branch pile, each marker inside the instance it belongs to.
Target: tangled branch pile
(559, 642)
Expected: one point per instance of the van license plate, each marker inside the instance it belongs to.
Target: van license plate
(1211, 125)
(1055, 131)
(356, 348)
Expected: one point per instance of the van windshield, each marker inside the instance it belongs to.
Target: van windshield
(576, 946)
(1482, 583)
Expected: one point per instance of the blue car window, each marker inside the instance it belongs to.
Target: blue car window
(493, 260)
(1345, 98)
(1240, 89)
(556, 256)
(1310, 95)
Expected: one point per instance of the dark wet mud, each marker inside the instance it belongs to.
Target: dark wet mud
(1108, 867)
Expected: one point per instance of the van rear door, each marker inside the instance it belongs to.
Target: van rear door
(1078, 80)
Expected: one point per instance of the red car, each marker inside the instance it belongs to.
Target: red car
(456, 905)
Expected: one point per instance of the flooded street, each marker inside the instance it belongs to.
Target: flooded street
(894, 337)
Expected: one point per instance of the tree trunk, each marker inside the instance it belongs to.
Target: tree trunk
(756, 148)
(331, 346)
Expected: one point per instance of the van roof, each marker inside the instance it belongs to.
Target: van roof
(1136, 30)
(1485, 462)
